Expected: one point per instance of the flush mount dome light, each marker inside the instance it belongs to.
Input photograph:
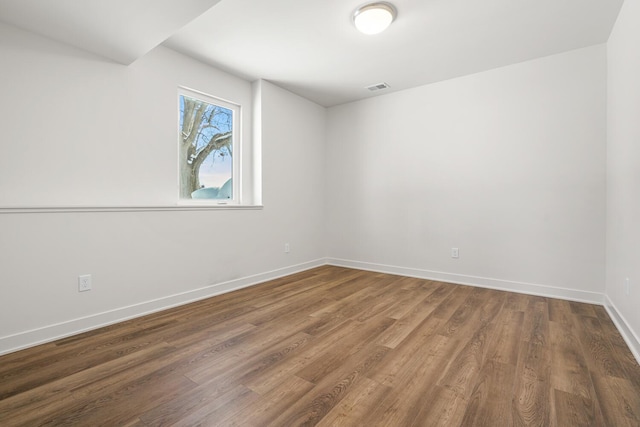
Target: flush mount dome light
(374, 18)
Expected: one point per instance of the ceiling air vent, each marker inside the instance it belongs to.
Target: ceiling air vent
(378, 86)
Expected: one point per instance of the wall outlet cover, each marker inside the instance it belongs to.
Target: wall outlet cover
(84, 283)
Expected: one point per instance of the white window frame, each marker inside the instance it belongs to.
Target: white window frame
(236, 141)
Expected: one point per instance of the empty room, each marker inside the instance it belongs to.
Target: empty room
(337, 212)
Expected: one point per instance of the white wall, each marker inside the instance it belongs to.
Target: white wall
(83, 131)
(77, 130)
(507, 165)
(623, 171)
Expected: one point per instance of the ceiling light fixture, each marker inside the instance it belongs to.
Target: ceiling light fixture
(374, 18)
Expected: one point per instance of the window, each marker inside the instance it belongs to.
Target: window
(208, 139)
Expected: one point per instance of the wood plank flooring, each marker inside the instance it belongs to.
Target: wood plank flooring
(336, 347)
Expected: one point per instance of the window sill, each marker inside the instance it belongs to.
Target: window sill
(182, 206)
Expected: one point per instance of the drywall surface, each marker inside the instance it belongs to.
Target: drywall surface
(507, 165)
(623, 169)
(72, 121)
(81, 130)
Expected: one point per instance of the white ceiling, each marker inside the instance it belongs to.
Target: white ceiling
(311, 47)
(121, 30)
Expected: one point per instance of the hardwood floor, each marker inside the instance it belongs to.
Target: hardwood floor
(336, 347)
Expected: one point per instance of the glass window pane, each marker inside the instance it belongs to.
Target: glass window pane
(206, 150)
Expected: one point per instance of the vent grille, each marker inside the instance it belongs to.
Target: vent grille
(378, 86)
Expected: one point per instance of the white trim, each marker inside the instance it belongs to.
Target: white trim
(151, 208)
(628, 334)
(482, 282)
(22, 340)
(195, 92)
(236, 141)
(26, 339)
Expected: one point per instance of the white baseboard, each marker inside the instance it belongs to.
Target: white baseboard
(619, 321)
(626, 331)
(482, 282)
(22, 340)
(26, 339)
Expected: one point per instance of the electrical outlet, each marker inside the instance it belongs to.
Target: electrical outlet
(287, 249)
(626, 285)
(455, 253)
(84, 283)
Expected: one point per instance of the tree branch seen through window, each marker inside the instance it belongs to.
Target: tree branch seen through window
(206, 149)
